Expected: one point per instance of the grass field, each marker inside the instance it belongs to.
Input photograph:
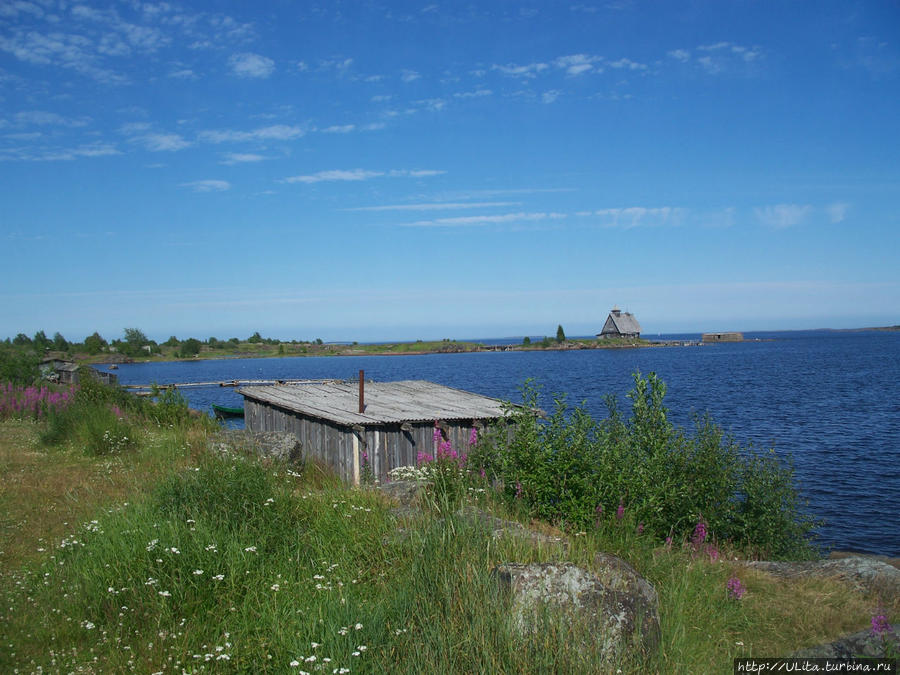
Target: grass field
(167, 558)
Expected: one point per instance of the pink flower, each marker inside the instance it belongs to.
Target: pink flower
(735, 588)
(699, 535)
(473, 436)
(620, 512)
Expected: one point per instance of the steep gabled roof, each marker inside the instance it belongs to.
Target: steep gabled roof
(622, 323)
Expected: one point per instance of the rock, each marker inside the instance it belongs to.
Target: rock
(867, 574)
(597, 611)
(278, 445)
(509, 528)
(863, 643)
(404, 492)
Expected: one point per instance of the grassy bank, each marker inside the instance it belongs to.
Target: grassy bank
(166, 558)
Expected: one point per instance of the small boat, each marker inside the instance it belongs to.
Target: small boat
(223, 411)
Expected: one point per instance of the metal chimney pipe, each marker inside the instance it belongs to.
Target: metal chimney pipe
(362, 391)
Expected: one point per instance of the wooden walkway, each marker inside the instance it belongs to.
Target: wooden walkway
(221, 383)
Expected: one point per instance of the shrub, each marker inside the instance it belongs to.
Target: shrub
(570, 468)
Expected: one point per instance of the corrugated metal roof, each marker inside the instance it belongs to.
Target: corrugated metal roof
(386, 402)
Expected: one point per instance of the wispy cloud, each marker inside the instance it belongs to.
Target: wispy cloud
(726, 56)
(275, 132)
(43, 118)
(241, 158)
(637, 216)
(837, 211)
(339, 129)
(433, 206)
(248, 64)
(162, 142)
(527, 71)
(577, 64)
(209, 185)
(409, 75)
(359, 175)
(781, 216)
(470, 221)
(682, 55)
(550, 96)
(478, 93)
(334, 175)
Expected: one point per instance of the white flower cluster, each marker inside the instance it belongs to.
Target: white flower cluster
(419, 473)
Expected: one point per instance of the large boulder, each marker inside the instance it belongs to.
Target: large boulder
(866, 574)
(277, 445)
(862, 644)
(618, 612)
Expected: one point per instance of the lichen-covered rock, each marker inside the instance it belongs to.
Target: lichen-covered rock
(866, 574)
(864, 643)
(278, 445)
(510, 528)
(614, 618)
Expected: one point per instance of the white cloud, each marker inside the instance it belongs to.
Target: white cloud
(359, 175)
(209, 185)
(183, 74)
(550, 96)
(434, 206)
(576, 64)
(339, 129)
(627, 64)
(722, 56)
(42, 118)
(468, 221)
(334, 175)
(380, 98)
(248, 64)
(682, 55)
(409, 75)
(275, 132)
(478, 93)
(163, 142)
(781, 216)
(527, 71)
(638, 216)
(837, 211)
(241, 158)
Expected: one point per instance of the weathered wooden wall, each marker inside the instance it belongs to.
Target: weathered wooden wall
(387, 446)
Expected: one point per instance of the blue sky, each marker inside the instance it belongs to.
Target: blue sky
(393, 170)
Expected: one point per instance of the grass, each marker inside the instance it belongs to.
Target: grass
(167, 558)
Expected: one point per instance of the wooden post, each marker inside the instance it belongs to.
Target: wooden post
(362, 391)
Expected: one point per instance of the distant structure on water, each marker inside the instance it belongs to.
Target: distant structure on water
(723, 337)
(620, 324)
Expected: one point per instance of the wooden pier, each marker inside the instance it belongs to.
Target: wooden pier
(220, 383)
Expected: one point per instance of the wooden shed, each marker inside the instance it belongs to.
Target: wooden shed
(384, 424)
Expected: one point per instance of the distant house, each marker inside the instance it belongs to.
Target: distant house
(62, 371)
(620, 324)
(723, 337)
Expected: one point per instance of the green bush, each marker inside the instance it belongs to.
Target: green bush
(574, 470)
(18, 366)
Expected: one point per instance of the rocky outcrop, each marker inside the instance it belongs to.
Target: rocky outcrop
(595, 608)
(866, 574)
(509, 528)
(864, 643)
(277, 445)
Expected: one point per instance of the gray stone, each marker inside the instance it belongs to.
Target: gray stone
(866, 574)
(864, 643)
(509, 528)
(600, 613)
(278, 445)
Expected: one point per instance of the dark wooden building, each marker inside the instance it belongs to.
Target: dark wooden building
(383, 424)
(620, 324)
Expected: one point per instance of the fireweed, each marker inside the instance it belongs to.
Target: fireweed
(32, 402)
(735, 589)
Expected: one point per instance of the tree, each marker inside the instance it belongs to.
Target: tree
(190, 347)
(18, 366)
(560, 334)
(41, 341)
(172, 341)
(22, 340)
(94, 344)
(255, 338)
(135, 337)
(60, 343)
(526, 341)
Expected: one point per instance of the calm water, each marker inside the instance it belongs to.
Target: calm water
(829, 399)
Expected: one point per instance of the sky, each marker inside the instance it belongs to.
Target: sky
(398, 170)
